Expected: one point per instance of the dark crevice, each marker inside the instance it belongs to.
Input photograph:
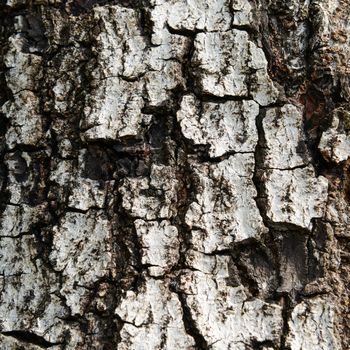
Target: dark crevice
(203, 155)
(184, 32)
(6, 29)
(246, 279)
(82, 7)
(287, 308)
(292, 168)
(259, 156)
(132, 277)
(30, 338)
(261, 345)
(146, 24)
(190, 324)
(205, 97)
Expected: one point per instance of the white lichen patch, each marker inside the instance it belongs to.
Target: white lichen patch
(335, 141)
(160, 83)
(312, 325)
(114, 106)
(114, 110)
(130, 73)
(153, 319)
(285, 139)
(88, 194)
(43, 311)
(213, 265)
(26, 125)
(24, 70)
(295, 196)
(151, 198)
(225, 210)
(242, 13)
(201, 15)
(226, 127)
(226, 62)
(82, 252)
(16, 255)
(16, 220)
(119, 28)
(165, 72)
(27, 293)
(159, 245)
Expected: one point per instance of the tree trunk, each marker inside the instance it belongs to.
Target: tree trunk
(175, 174)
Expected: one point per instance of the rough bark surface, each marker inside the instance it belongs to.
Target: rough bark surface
(174, 174)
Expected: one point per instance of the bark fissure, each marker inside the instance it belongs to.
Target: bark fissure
(190, 325)
(31, 338)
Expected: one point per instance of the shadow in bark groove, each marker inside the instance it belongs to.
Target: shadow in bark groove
(30, 338)
(190, 324)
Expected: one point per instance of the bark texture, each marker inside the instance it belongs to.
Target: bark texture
(174, 174)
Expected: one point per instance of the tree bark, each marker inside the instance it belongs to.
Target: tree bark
(174, 174)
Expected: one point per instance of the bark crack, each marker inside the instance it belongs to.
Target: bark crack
(190, 324)
(30, 338)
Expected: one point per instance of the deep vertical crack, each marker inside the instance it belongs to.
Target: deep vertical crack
(190, 324)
